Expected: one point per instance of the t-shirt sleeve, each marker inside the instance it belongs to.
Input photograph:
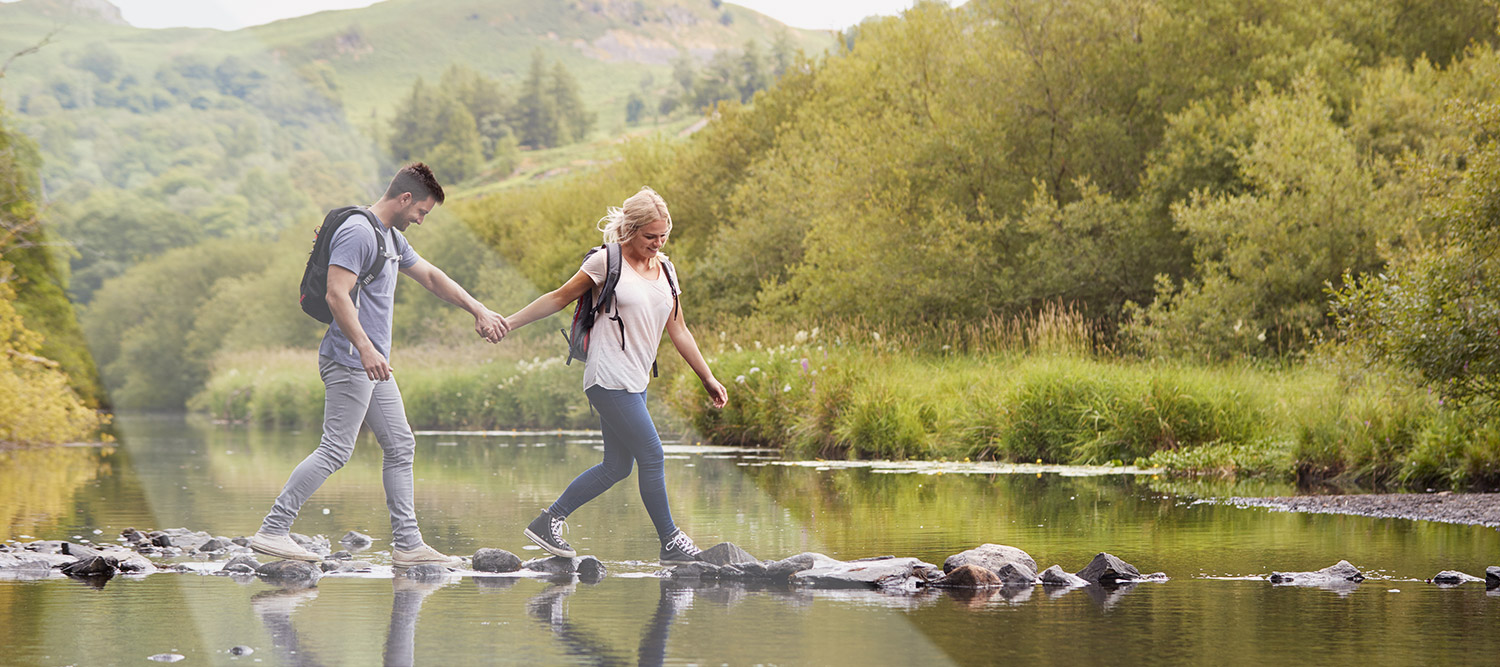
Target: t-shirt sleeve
(409, 256)
(353, 246)
(596, 265)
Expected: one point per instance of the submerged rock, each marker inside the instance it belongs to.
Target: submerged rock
(902, 573)
(991, 557)
(699, 570)
(781, 570)
(1056, 576)
(91, 566)
(241, 650)
(726, 553)
(970, 576)
(290, 570)
(167, 657)
(496, 560)
(1108, 570)
(1452, 578)
(427, 572)
(551, 565)
(1339, 573)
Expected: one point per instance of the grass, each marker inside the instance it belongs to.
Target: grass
(1044, 391)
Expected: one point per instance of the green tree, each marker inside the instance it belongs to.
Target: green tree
(575, 121)
(459, 153)
(634, 107)
(536, 118)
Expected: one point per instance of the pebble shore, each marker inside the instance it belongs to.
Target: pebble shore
(1481, 509)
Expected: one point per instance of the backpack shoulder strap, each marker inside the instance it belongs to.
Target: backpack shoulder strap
(671, 272)
(612, 261)
(379, 265)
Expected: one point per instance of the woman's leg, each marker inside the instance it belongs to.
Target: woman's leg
(627, 422)
(596, 480)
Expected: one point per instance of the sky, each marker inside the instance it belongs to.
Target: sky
(234, 14)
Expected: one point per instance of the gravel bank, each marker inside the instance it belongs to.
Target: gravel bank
(1471, 508)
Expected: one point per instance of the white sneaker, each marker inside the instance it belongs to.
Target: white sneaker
(423, 555)
(281, 546)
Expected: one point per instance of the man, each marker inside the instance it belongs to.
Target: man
(354, 362)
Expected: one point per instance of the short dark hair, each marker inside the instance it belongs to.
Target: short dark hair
(417, 179)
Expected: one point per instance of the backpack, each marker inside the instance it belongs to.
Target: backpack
(587, 311)
(314, 296)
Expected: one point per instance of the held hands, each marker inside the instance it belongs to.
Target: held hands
(491, 326)
(716, 392)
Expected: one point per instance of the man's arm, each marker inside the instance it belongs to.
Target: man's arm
(340, 284)
(487, 322)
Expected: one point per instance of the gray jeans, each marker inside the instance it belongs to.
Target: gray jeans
(352, 398)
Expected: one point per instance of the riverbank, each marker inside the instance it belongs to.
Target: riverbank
(1482, 509)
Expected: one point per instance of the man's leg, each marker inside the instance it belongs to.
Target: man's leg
(386, 416)
(347, 394)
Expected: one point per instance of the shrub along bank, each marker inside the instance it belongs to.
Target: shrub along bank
(839, 398)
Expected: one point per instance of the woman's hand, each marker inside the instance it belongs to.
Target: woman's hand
(716, 392)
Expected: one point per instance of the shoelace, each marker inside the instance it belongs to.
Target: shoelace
(684, 543)
(558, 526)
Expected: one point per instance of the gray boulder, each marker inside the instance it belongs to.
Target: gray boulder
(782, 569)
(1108, 570)
(316, 544)
(1453, 578)
(1492, 576)
(590, 569)
(237, 568)
(726, 553)
(700, 570)
(241, 650)
(1339, 573)
(134, 536)
(1017, 574)
(991, 557)
(91, 566)
(970, 576)
(214, 544)
(290, 570)
(496, 560)
(341, 566)
(886, 573)
(427, 572)
(242, 562)
(1055, 576)
(551, 565)
(356, 540)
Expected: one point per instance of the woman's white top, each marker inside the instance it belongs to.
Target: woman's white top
(644, 306)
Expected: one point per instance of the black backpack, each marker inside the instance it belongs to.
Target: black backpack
(314, 297)
(587, 311)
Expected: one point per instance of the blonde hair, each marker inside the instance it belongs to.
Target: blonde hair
(620, 224)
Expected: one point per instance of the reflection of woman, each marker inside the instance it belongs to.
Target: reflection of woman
(620, 358)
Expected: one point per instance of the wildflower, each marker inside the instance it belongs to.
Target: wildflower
(800, 338)
(876, 334)
(787, 388)
(739, 379)
(757, 345)
(804, 364)
(814, 333)
(754, 370)
(1261, 336)
(737, 348)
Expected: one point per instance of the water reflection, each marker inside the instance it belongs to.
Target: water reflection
(274, 608)
(550, 608)
(406, 605)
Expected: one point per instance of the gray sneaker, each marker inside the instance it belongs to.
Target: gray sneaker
(281, 546)
(424, 555)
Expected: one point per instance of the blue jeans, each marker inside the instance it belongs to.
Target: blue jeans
(629, 436)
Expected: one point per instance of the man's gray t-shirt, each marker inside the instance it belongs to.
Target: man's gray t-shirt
(354, 248)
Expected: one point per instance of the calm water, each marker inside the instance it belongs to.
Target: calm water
(479, 491)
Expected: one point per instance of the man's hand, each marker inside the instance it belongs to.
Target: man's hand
(375, 364)
(491, 326)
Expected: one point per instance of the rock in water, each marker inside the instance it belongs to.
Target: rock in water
(1017, 574)
(726, 553)
(906, 573)
(781, 569)
(590, 569)
(241, 650)
(167, 657)
(970, 576)
(1339, 572)
(1492, 576)
(242, 562)
(1055, 576)
(552, 565)
(1108, 570)
(1453, 577)
(427, 572)
(92, 566)
(214, 544)
(496, 560)
(991, 557)
(356, 540)
(290, 571)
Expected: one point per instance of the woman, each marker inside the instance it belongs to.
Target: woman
(620, 358)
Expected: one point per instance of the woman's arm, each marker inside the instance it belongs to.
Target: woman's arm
(553, 301)
(687, 346)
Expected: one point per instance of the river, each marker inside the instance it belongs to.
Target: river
(480, 490)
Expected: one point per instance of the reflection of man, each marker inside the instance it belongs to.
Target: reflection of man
(357, 376)
(401, 637)
(275, 607)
